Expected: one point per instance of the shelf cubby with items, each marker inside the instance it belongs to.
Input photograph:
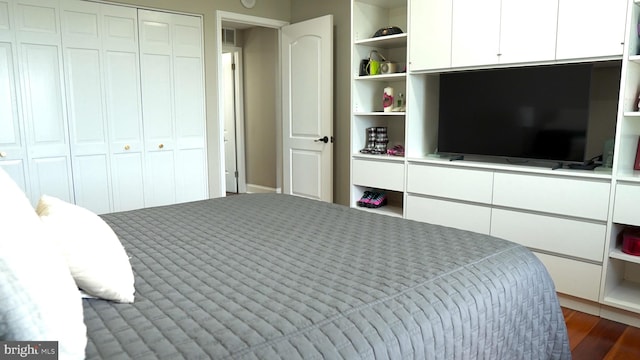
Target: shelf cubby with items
(378, 104)
(621, 278)
(393, 200)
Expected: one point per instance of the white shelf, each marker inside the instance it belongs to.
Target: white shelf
(618, 254)
(634, 58)
(632, 113)
(379, 157)
(629, 176)
(384, 3)
(383, 77)
(385, 42)
(626, 296)
(389, 210)
(379, 113)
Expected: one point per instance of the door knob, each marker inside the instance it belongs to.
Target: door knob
(3, 154)
(323, 139)
(127, 147)
(160, 146)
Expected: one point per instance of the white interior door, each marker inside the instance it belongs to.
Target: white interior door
(307, 94)
(230, 157)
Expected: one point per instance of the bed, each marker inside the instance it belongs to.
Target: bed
(267, 276)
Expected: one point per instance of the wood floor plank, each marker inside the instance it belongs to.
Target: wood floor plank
(627, 347)
(578, 326)
(599, 341)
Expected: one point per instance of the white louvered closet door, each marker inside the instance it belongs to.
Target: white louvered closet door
(173, 110)
(13, 151)
(39, 50)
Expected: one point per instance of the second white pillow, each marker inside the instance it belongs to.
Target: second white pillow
(96, 259)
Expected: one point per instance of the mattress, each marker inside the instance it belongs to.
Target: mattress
(267, 276)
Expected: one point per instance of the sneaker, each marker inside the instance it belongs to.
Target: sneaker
(379, 199)
(366, 197)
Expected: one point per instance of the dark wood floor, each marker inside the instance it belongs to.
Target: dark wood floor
(591, 337)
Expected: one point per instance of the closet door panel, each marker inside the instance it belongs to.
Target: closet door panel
(44, 113)
(190, 127)
(91, 182)
(50, 176)
(123, 103)
(13, 155)
(128, 185)
(157, 100)
(161, 187)
(192, 182)
(5, 22)
(46, 124)
(85, 103)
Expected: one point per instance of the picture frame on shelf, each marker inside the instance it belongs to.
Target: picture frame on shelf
(636, 163)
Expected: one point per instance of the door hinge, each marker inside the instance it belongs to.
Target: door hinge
(236, 174)
(332, 139)
(233, 67)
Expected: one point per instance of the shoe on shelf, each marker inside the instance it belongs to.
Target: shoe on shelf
(397, 150)
(366, 198)
(379, 200)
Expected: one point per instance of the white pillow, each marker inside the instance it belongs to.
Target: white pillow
(94, 254)
(39, 300)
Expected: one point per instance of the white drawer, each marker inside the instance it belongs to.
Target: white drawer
(573, 277)
(452, 183)
(626, 208)
(570, 197)
(463, 216)
(378, 174)
(569, 237)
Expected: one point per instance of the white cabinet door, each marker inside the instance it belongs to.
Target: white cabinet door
(475, 32)
(430, 34)
(528, 30)
(43, 98)
(591, 28)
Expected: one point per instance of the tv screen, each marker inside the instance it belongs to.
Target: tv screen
(526, 113)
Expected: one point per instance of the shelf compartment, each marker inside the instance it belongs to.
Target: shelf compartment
(394, 205)
(622, 288)
(384, 77)
(380, 113)
(619, 255)
(385, 42)
(624, 296)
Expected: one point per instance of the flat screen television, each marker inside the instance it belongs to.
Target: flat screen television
(538, 113)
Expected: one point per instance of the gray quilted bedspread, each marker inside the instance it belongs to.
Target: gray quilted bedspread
(275, 276)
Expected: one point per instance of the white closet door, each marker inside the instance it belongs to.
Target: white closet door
(123, 104)
(173, 107)
(86, 110)
(43, 98)
(191, 174)
(13, 153)
(157, 106)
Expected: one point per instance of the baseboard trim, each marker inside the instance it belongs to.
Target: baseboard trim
(259, 189)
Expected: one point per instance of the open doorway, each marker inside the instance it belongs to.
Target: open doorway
(235, 170)
(249, 101)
